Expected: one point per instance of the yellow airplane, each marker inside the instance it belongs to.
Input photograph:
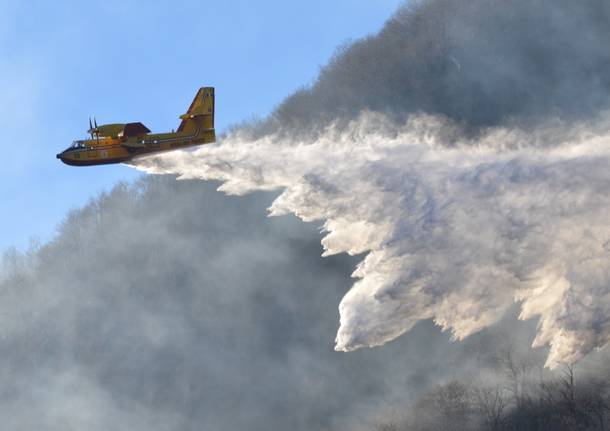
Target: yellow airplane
(117, 143)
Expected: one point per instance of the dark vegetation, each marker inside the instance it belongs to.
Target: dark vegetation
(526, 398)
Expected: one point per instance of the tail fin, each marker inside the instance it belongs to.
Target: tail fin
(201, 112)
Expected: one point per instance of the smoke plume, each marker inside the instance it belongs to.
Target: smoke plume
(464, 150)
(165, 305)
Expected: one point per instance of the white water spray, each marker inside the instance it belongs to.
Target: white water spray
(455, 234)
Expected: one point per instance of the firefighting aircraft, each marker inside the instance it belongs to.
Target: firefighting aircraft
(117, 143)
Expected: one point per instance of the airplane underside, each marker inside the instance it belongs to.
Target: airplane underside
(95, 162)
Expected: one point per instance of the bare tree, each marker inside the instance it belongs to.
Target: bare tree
(492, 404)
(517, 372)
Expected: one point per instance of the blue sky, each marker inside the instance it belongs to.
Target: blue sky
(61, 62)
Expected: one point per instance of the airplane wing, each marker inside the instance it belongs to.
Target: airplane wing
(135, 129)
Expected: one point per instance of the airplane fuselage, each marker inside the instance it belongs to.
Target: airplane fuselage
(106, 150)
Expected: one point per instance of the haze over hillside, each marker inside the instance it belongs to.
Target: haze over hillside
(166, 305)
(459, 157)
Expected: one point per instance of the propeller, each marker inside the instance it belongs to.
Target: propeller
(97, 132)
(93, 129)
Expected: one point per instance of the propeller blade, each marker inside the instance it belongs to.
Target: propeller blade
(90, 128)
(97, 132)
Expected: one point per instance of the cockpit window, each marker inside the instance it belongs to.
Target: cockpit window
(77, 145)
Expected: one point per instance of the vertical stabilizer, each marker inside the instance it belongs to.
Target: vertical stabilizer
(200, 115)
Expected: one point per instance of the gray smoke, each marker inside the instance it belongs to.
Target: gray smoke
(165, 305)
(480, 63)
